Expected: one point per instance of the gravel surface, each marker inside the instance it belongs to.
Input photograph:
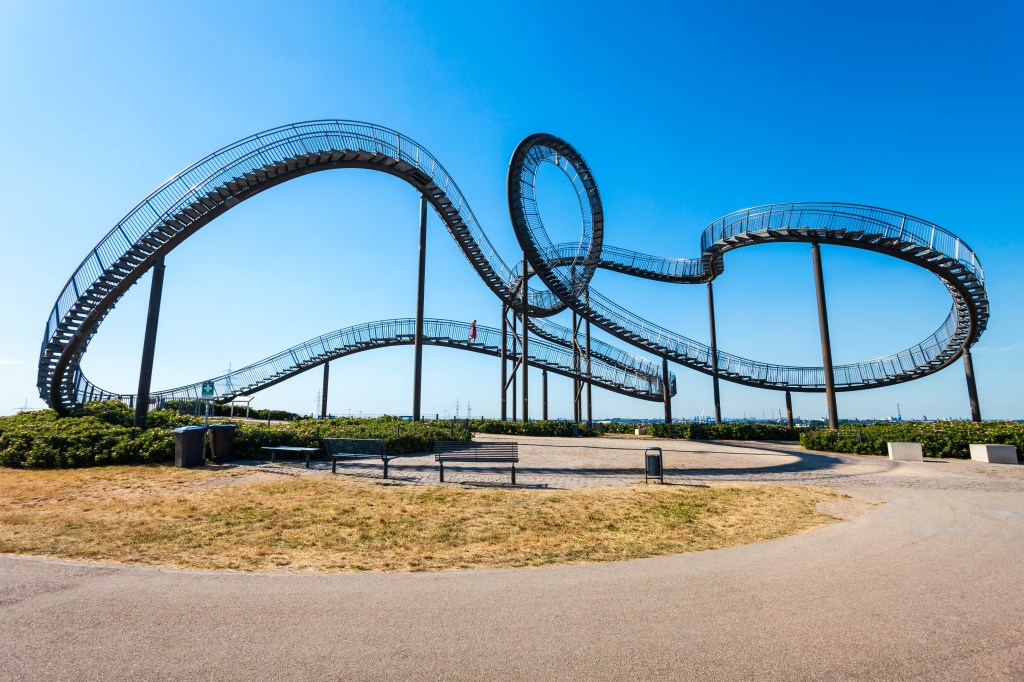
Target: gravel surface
(923, 586)
(585, 462)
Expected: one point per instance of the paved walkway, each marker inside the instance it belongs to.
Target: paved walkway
(923, 586)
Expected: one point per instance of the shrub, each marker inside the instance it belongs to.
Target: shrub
(169, 419)
(108, 412)
(725, 431)
(621, 427)
(937, 439)
(101, 433)
(95, 437)
(535, 428)
(728, 431)
(400, 437)
(191, 407)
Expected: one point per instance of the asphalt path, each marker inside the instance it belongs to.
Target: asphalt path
(922, 582)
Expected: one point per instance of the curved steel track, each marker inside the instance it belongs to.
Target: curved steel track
(401, 332)
(216, 183)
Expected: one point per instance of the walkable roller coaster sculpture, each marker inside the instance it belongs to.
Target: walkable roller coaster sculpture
(216, 183)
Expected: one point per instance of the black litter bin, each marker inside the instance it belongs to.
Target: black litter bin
(190, 446)
(222, 438)
(653, 465)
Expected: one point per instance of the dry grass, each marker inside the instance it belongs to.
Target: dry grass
(237, 520)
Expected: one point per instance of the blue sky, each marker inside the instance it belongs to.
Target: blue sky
(685, 111)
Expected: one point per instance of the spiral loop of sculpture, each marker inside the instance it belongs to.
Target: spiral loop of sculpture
(213, 185)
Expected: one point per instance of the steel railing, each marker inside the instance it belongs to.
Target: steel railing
(90, 293)
(380, 334)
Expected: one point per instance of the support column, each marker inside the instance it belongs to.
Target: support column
(515, 381)
(972, 387)
(504, 362)
(666, 392)
(515, 354)
(544, 394)
(826, 344)
(323, 393)
(590, 404)
(526, 342)
(149, 343)
(575, 371)
(714, 354)
(417, 385)
(789, 409)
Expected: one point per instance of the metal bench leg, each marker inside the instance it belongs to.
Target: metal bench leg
(307, 460)
(440, 467)
(334, 465)
(273, 454)
(513, 474)
(385, 468)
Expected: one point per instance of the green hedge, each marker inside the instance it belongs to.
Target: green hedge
(102, 433)
(44, 440)
(937, 439)
(219, 410)
(621, 427)
(726, 431)
(400, 437)
(535, 428)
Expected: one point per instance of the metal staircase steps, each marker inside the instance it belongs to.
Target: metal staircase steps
(88, 297)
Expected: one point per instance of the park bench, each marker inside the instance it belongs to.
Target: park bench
(356, 448)
(290, 450)
(474, 451)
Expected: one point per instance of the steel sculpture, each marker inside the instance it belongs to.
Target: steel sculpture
(321, 350)
(216, 183)
(562, 267)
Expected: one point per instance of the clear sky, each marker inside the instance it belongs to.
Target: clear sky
(685, 112)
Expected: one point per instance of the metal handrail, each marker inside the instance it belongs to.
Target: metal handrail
(383, 333)
(565, 269)
(902, 233)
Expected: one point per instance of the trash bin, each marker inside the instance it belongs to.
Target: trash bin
(222, 440)
(653, 465)
(190, 446)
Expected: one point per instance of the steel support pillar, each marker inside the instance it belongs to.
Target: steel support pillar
(515, 383)
(576, 414)
(417, 385)
(972, 387)
(714, 354)
(149, 343)
(526, 342)
(544, 394)
(789, 409)
(590, 386)
(666, 392)
(504, 362)
(826, 344)
(514, 379)
(323, 394)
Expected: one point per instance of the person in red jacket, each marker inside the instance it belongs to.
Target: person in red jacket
(472, 331)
